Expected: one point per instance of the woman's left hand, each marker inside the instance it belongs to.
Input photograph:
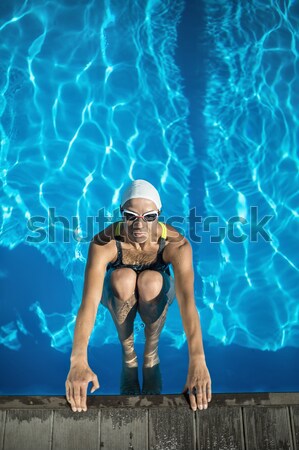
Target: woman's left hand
(198, 379)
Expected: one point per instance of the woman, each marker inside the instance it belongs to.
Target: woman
(128, 271)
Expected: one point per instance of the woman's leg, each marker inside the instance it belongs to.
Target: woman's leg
(155, 293)
(119, 297)
(122, 304)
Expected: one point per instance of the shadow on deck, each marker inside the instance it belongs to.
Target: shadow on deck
(232, 421)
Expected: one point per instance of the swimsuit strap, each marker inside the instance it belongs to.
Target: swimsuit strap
(117, 229)
(119, 252)
(164, 230)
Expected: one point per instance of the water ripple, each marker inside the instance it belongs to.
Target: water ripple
(90, 98)
(252, 125)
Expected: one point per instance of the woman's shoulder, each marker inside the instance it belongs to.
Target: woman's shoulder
(173, 235)
(106, 235)
(173, 241)
(114, 229)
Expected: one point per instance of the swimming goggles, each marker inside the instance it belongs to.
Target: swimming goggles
(147, 217)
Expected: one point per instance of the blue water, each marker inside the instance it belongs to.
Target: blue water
(198, 97)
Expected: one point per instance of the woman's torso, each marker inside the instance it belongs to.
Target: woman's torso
(140, 261)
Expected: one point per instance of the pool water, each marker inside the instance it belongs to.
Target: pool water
(198, 97)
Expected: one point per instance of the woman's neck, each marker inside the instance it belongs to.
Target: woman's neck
(154, 234)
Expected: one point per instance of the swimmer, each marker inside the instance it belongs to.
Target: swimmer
(127, 271)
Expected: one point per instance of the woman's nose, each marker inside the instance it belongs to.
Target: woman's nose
(138, 223)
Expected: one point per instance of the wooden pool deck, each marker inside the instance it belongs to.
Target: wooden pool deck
(232, 421)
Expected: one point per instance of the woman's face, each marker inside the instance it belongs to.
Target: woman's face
(139, 230)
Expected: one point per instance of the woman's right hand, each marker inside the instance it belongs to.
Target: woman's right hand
(76, 385)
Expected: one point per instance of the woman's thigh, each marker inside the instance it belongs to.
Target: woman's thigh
(108, 294)
(168, 288)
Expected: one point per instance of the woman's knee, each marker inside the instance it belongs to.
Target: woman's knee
(149, 284)
(123, 283)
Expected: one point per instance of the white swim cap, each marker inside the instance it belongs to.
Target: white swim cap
(141, 189)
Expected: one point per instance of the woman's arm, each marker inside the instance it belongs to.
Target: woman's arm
(98, 258)
(198, 375)
(80, 374)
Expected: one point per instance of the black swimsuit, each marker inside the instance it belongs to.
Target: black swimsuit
(158, 265)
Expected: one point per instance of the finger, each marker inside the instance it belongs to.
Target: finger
(209, 392)
(83, 390)
(77, 397)
(68, 395)
(204, 397)
(199, 396)
(95, 383)
(192, 400)
(67, 391)
(71, 398)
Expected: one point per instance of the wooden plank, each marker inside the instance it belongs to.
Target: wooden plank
(295, 425)
(76, 430)
(267, 428)
(28, 430)
(172, 428)
(149, 401)
(123, 429)
(220, 428)
(2, 426)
